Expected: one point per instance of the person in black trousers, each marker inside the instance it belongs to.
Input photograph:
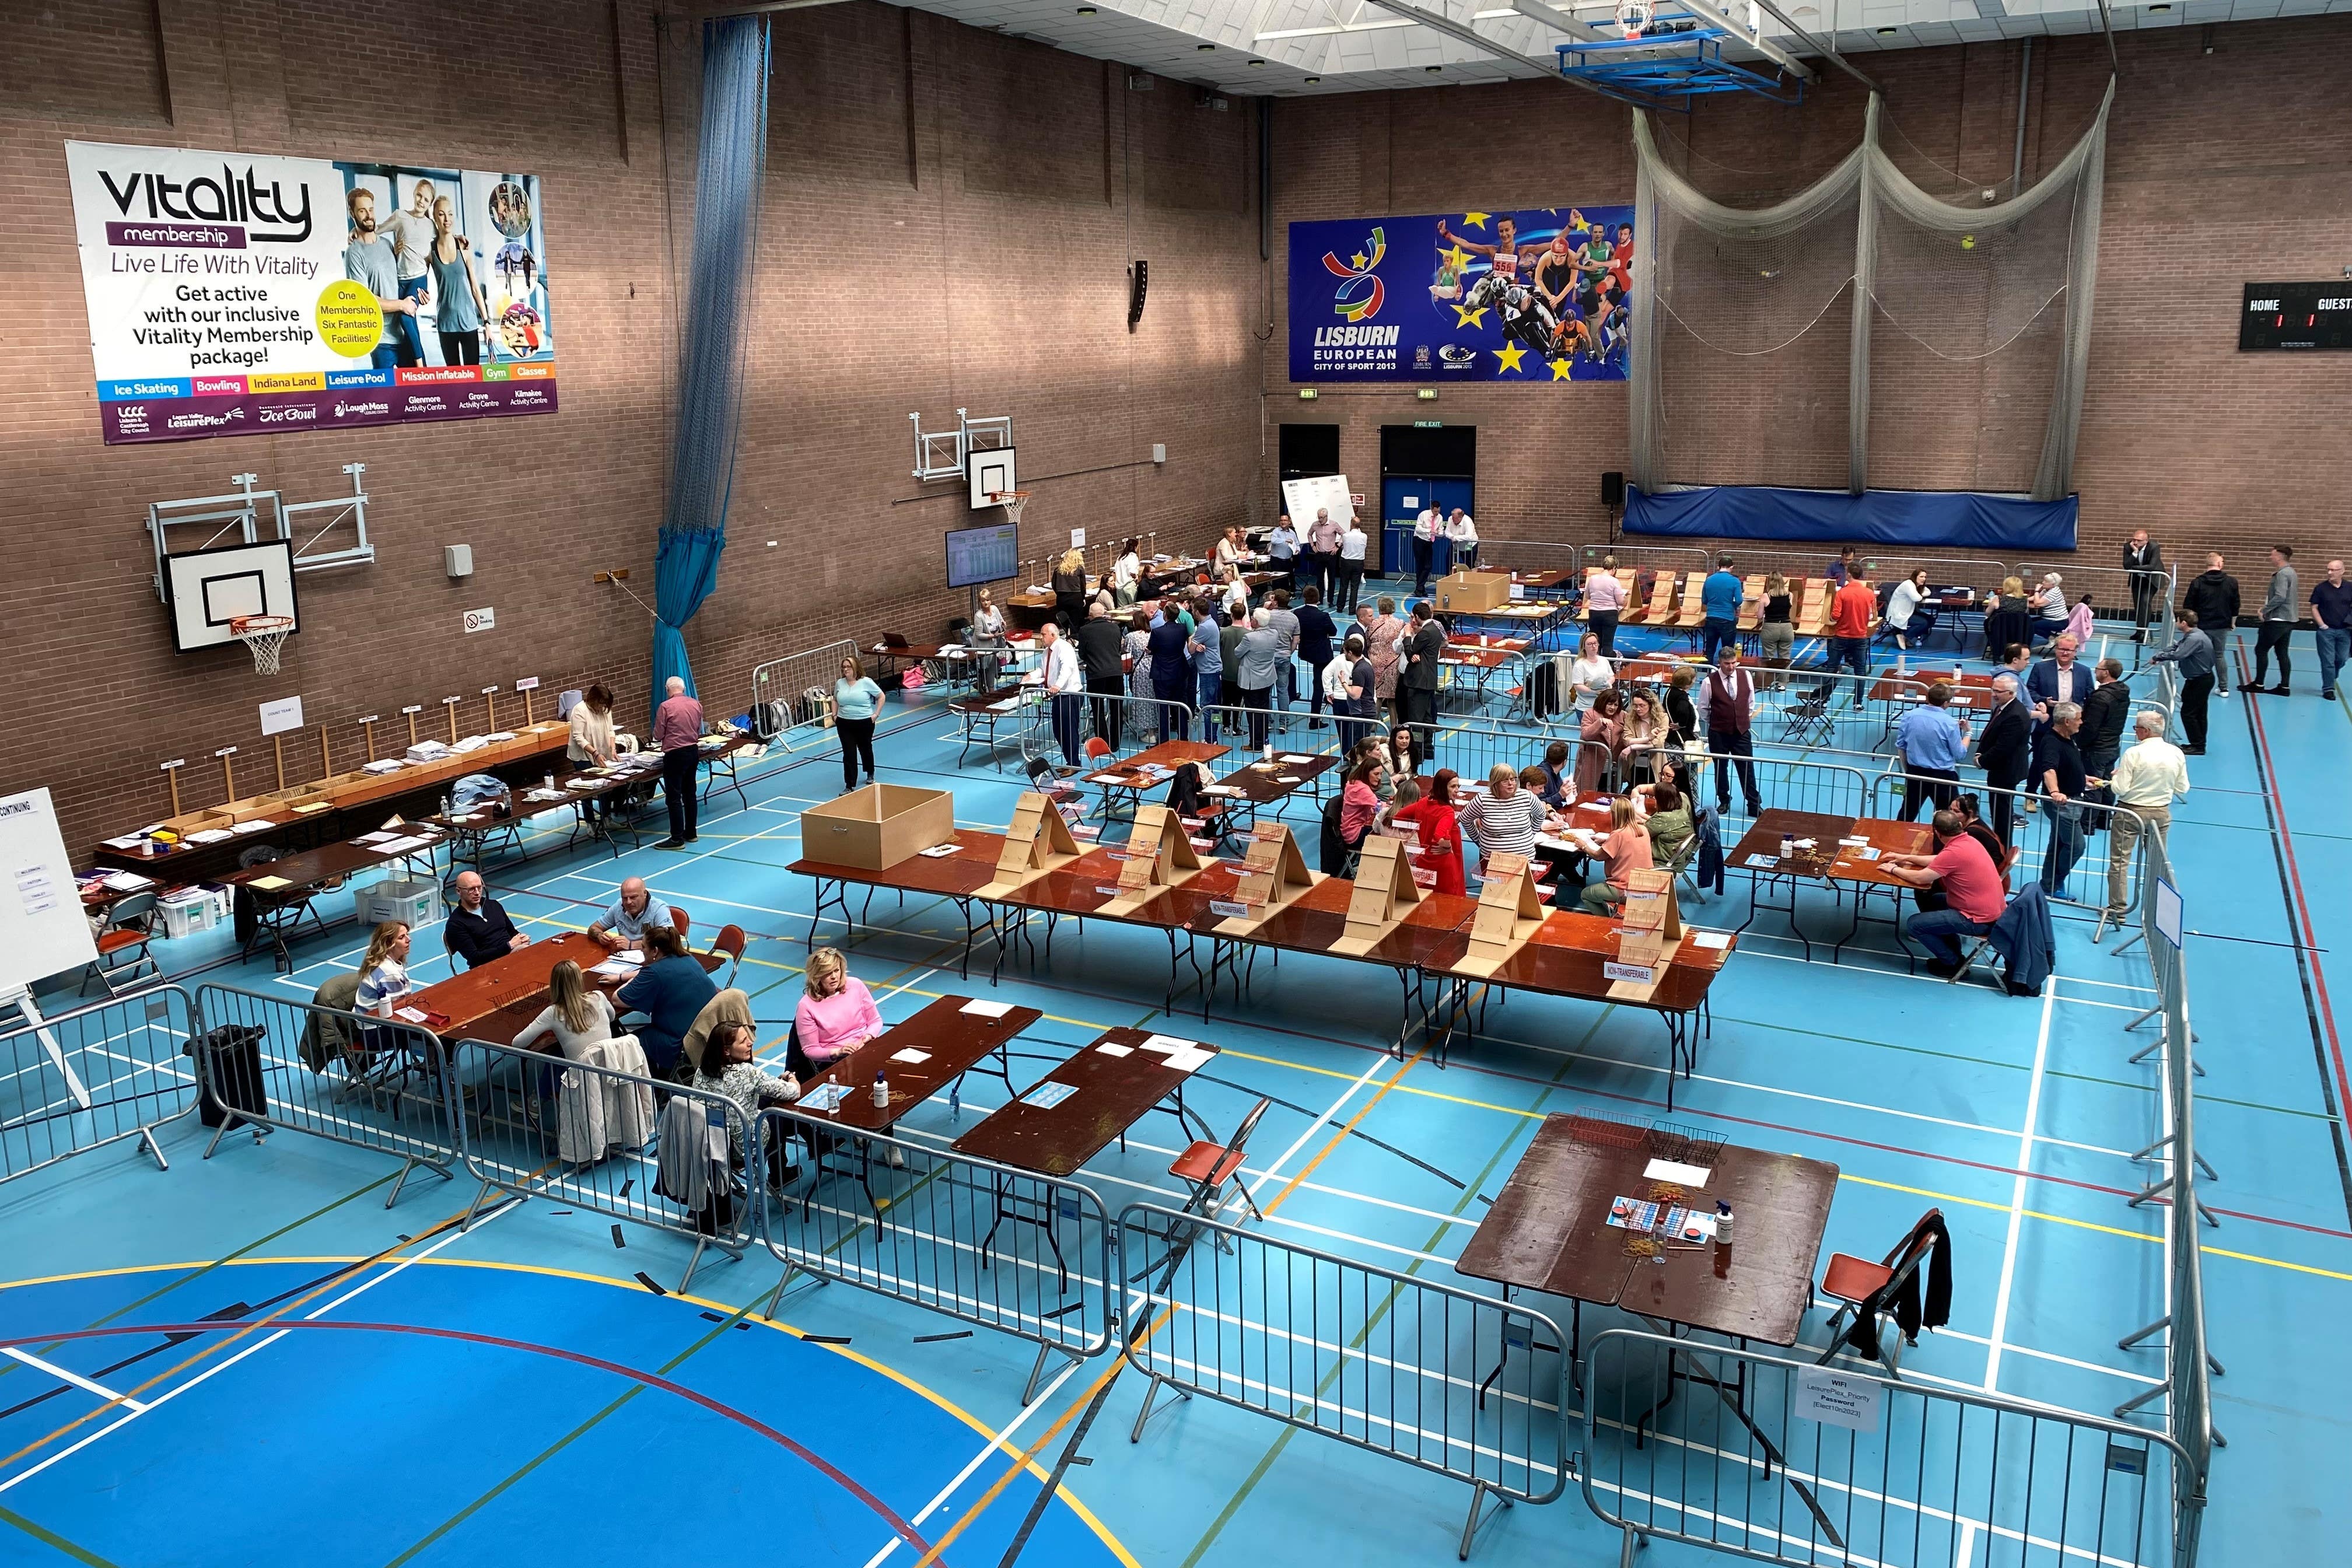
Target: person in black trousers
(2143, 559)
(1098, 658)
(1424, 651)
(2005, 751)
(1316, 631)
(2192, 653)
(677, 731)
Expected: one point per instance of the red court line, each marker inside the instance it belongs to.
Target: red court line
(905, 1530)
(2302, 907)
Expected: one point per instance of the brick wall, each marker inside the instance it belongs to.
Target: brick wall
(948, 217)
(2222, 169)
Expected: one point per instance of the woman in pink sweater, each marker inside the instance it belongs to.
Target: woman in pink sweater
(836, 1014)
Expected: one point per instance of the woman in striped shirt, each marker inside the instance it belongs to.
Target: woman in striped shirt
(384, 974)
(1506, 819)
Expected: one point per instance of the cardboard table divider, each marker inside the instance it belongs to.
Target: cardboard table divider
(1160, 857)
(1694, 600)
(1277, 873)
(1384, 891)
(1038, 841)
(1653, 931)
(1510, 910)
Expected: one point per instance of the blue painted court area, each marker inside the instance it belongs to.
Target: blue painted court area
(519, 1395)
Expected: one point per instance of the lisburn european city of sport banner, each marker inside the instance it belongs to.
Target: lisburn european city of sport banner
(1425, 299)
(225, 299)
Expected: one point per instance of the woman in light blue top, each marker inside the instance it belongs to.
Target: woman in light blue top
(855, 701)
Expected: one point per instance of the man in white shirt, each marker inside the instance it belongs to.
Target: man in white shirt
(1425, 530)
(1465, 535)
(2148, 778)
(1064, 683)
(1352, 542)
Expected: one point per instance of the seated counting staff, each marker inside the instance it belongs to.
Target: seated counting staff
(478, 930)
(836, 1013)
(727, 1068)
(580, 1014)
(670, 991)
(624, 924)
(1961, 870)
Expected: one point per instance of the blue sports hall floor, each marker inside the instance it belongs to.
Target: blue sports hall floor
(396, 1390)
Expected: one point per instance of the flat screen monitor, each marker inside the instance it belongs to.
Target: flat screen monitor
(978, 555)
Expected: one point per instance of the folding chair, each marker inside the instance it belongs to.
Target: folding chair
(1806, 722)
(730, 942)
(1205, 1167)
(1046, 782)
(1860, 1286)
(130, 927)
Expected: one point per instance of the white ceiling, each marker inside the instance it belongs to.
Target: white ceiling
(1286, 47)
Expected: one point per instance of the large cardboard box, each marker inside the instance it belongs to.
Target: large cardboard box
(877, 826)
(1473, 591)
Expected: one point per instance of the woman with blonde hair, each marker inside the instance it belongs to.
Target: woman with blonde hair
(580, 1014)
(1070, 590)
(1383, 635)
(383, 973)
(836, 1013)
(1641, 729)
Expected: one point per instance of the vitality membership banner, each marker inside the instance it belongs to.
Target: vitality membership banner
(1538, 294)
(235, 295)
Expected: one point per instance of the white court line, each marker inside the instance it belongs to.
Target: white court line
(62, 1375)
(171, 1394)
(1045, 1396)
(2016, 1193)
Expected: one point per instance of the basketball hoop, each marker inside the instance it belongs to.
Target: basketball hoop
(1011, 501)
(1634, 16)
(265, 634)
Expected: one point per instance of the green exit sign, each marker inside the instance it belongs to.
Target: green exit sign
(1429, 423)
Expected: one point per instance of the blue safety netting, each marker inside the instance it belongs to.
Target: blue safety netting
(728, 177)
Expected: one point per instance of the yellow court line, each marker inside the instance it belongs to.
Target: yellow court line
(1102, 1532)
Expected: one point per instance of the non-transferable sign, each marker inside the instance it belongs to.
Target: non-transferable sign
(234, 294)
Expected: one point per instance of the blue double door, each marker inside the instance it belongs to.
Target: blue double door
(1403, 499)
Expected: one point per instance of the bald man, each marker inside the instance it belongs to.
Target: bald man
(478, 930)
(624, 925)
(678, 735)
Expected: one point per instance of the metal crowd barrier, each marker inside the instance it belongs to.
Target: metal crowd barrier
(2087, 886)
(1462, 1385)
(984, 1244)
(277, 1065)
(796, 690)
(589, 1138)
(1773, 1457)
(94, 1076)
(1124, 722)
(2190, 1366)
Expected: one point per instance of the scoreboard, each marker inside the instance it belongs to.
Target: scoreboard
(2296, 316)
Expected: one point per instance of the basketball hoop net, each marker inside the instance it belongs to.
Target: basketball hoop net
(265, 634)
(1634, 16)
(1011, 501)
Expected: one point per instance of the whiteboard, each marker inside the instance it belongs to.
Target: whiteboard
(42, 929)
(1302, 498)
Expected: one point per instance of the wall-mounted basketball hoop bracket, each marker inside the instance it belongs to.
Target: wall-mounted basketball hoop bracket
(942, 454)
(324, 533)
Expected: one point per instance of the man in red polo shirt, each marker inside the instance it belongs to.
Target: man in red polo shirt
(1971, 883)
(1852, 610)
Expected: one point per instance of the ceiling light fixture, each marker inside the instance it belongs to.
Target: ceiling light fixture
(1313, 80)
(1086, 10)
(1432, 67)
(1205, 48)
(1886, 32)
(1257, 62)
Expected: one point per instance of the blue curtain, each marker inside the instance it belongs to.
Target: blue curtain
(1960, 519)
(733, 164)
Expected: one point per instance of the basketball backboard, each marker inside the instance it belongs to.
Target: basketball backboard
(991, 472)
(208, 589)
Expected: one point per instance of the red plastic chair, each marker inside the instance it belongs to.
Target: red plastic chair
(1852, 1281)
(730, 942)
(1205, 1167)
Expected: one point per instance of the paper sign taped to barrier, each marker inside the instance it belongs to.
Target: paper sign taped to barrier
(1838, 1399)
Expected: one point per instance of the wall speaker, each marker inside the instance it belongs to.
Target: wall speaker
(1612, 488)
(1137, 279)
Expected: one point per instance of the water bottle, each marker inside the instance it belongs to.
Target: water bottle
(448, 805)
(1722, 1222)
(955, 1101)
(881, 1093)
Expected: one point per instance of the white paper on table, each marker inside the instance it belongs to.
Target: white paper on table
(940, 851)
(1856, 843)
(629, 955)
(1112, 1048)
(1763, 862)
(1716, 939)
(1802, 843)
(910, 1055)
(1292, 758)
(131, 842)
(1165, 1043)
(211, 836)
(414, 1014)
(986, 1009)
(128, 881)
(1677, 1172)
(1186, 1061)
